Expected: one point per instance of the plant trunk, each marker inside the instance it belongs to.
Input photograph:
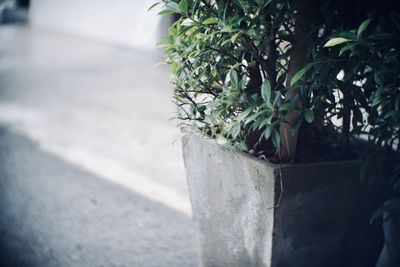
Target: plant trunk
(297, 61)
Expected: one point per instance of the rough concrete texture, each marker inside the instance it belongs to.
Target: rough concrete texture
(232, 200)
(321, 220)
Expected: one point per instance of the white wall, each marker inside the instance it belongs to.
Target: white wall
(124, 22)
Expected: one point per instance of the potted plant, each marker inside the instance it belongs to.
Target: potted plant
(294, 102)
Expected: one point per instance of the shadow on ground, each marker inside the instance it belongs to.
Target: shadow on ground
(54, 214)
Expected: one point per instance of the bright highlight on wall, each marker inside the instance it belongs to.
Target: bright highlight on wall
(123, 22)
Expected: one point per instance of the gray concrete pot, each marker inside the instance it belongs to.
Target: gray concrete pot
(390, 255)
(321, 220)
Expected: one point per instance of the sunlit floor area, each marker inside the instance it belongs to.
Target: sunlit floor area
(91, 172)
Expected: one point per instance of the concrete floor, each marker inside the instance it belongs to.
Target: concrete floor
(91, 172)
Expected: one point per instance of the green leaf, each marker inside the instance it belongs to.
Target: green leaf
(363, 27)
(251, 32)
(350, 35)
(263, 123)
(268, 132)
(153, 6)
(309, 115)
(287, 106)
(336, 41)
(263, 3)
(183, 6)
(174, 67)
(227, 29)
(221, 140)
(234, 77)
(346, 47)
(397, 103)
(210, 21)
(300, 74)
(377, 100)
(252, 117)
(243, 146)
(277, 99)
(244, 114)
(234, 37)
(170, 8)
(276, 138)
(235, 130)
(166, 12)
(266, 91)
(260, 2)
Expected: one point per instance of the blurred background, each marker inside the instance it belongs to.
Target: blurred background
(91, 172)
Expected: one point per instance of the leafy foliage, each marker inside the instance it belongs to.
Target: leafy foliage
(232, 63)
(225, 70)
(373, 73)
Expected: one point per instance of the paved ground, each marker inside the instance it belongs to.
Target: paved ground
(54, 214)
(90, 167)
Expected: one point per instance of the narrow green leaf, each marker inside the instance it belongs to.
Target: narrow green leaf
(153, 6)
(277, 99)
(244, 114)
(300, 74)
(336, 41)
(251, 32)
(235, 130)
(252, 117)
(170, 8)
(276, 138)
(227, 29)
(263, 123)
(243, 146)
(268, 132)
(397, 103)
(363, 27)
(350, 35)
(163, 43)
(263, 3)
(346, 47)
(174, 67)
(210, 21)
(187, 23)
(234, 37)
(221, 140)
(377, 100)
(166, 12)
(234, 77)
(259, 2)
(309, 115)
(183, 6)
(287, 106)
(266, 91)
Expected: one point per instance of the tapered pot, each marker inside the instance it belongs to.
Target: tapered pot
(248, 212)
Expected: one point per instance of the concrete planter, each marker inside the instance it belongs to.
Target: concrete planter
(390, 255)
(322, 218)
